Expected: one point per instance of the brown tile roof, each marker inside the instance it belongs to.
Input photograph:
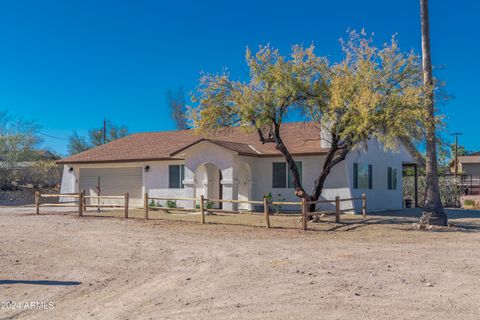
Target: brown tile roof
(299, 137)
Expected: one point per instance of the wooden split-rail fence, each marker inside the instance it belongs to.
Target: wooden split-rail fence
(266, 210)
(81, 203)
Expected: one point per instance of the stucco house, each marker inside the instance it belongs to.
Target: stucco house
(234, 165)
(468, 165)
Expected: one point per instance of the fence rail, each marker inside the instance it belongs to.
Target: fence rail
(266, 210)
(306, 214)
(81, 203)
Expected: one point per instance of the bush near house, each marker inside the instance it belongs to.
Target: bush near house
(171, 204)
(449, 191)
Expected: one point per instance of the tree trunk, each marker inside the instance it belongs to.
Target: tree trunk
(433, 210)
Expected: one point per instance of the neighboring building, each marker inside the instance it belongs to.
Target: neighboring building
(234, 165)
(469, 165)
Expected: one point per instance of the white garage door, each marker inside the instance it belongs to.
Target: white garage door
(113, 182)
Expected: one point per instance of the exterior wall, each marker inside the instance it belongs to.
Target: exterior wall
(470, 169)
(156, 180)
(262, 176)
(379, 197)
(223, 159)
(69, 180)
(256, 181)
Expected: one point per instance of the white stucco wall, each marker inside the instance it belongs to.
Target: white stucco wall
(379, 197)
(262, 175)
(257, 181)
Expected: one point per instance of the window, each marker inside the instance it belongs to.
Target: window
(362, 176)
(282, 178)
(279, 175)
(176, 174)
(392, 178)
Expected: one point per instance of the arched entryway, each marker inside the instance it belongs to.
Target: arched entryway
(208, 179)
(244, 186)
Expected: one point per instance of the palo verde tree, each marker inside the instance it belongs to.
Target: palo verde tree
(372, 93)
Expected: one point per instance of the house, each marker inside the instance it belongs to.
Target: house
(468, 165)
(235, 165)
(469, 173)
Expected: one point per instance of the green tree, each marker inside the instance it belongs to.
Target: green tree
(372, 93)
(433, 212)
(95, 137)
(18, 138)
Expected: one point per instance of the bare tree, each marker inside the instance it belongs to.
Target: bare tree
(18, 138)
(96, 137)
(178, 109)
(433, 212)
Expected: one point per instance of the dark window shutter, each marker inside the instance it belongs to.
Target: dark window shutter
(389, 177)
(182, 175)
(355, 175)
(370, 178)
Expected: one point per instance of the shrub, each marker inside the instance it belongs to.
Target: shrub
(152, 203)
(449, 191)
(469, 203)
(171, 204)
(276, 207)
(208, 205)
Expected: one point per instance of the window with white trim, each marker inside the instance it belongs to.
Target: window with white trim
(176, 174)
(281, 175)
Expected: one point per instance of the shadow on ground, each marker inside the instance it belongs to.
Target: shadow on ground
(41, 282)
(468, 220)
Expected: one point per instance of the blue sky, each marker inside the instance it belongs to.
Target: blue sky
(69, 64)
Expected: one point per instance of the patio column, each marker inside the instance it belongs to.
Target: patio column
(229, 189)
(189, 185)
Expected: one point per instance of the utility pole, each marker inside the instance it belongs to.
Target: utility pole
(104, 131)
(455, 164)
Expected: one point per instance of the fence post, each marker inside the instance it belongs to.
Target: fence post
(337, 209)
(126, 205)
(37, 201)
(364, 205)
(145, 204)
(80, 204)
(266, 212)
(304, 214)
(84, 201)
(202, 208)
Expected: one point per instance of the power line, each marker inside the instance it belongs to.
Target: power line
(53, 137)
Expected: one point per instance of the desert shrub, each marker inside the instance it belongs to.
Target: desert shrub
(469, 203)
(154, 204)
(208, 205)
(44, 173)
(449, 191)
(276, 207)
(171, 204)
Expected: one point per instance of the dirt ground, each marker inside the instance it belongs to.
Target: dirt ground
(111, 268)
